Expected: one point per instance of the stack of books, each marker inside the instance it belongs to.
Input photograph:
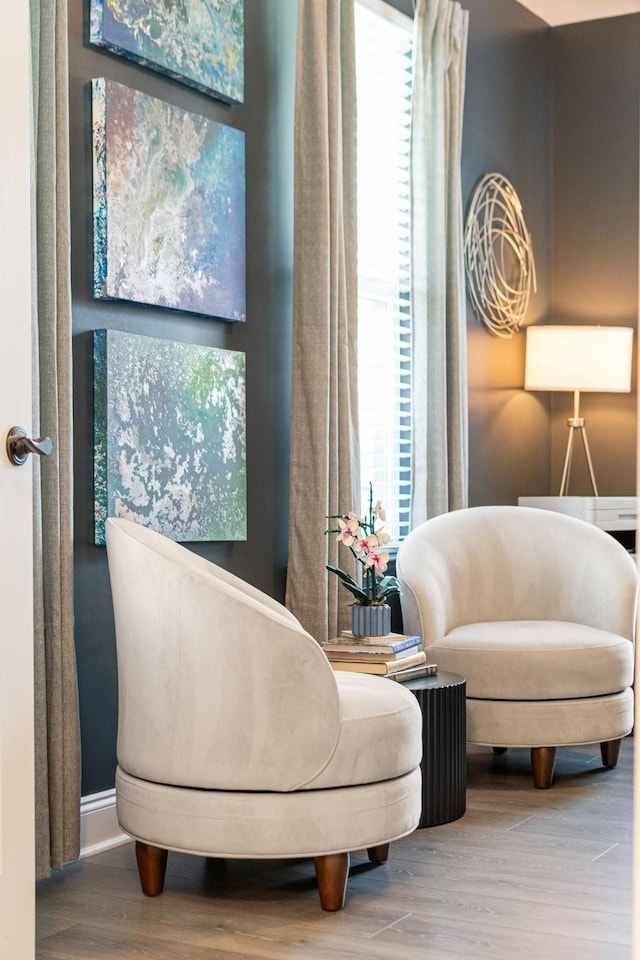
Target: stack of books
(397, 656)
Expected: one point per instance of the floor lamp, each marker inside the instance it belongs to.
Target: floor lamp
(577, 359)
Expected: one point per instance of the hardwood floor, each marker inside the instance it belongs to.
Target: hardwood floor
(525, 875)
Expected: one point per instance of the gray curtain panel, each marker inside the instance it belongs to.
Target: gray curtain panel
(57, 721)
(440, 436)
(324, 477)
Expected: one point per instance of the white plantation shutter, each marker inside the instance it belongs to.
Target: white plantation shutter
(383, 66)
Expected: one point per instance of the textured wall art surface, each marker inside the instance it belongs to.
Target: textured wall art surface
(168, 204)
(198, 42)
(170, 437)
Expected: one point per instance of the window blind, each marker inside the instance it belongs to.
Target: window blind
(383, 70)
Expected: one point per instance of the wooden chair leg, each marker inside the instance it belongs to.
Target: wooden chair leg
(609, 751)
(542, 761)
(152, 865)
(332, 872)
(379, 854)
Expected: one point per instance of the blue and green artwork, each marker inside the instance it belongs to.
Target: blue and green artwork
(198, 42)
(168, 205)
(170, 437)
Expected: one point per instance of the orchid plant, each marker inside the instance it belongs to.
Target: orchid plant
(365, 538)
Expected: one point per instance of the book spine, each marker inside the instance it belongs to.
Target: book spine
(375, 656)
(352, 645)
(347, 636)
(383, 668)
(414, 673)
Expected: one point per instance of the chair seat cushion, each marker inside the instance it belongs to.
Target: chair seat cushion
(541, 723)
(303, 823)
(536, 660)
(380, 733)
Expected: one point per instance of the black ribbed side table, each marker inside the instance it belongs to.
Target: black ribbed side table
(444, 738)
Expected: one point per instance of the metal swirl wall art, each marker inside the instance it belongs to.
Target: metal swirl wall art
(498, 253)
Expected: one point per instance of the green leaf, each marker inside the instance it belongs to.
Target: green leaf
(390, 582)
(349, 583)
(388, 587)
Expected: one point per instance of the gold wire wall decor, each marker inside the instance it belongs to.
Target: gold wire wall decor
(498, 253)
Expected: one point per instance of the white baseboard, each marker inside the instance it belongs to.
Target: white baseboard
(99, 830)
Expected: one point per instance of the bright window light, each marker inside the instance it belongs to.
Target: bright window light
(383, 63)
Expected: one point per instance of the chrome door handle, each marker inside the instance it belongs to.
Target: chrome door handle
(19, 446)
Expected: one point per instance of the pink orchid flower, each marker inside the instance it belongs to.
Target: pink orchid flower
(379, 512)
(348, 531)
(368, 545)
(377, 560)
(361, 547)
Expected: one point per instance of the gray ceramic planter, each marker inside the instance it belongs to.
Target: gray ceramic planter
(371, 621)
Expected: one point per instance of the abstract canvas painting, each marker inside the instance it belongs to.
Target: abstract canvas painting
(198, 42)
(170, 437)
(168, 205)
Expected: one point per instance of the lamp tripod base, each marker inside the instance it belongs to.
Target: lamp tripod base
(576, 424)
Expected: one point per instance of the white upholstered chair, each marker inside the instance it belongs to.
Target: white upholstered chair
(537, 611)
(235, 737)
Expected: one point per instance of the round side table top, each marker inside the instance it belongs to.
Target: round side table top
(435, 681)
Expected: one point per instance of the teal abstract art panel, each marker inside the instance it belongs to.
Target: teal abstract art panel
(198, 42)
(168, 205)
(170, 437)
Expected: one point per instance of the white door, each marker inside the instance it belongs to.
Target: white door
(17, 893)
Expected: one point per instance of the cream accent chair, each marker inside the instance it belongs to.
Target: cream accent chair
(537, 611)
(235, 737)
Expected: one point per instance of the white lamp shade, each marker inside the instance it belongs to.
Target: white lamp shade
(596, 359)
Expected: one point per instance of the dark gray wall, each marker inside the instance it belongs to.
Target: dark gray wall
(596, 93)
(267, 119)
(507, 68)
(507, 129)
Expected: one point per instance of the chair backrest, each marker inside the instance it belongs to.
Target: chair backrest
(513, 563)
(219, 685)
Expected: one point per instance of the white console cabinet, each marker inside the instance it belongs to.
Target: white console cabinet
(609, 513)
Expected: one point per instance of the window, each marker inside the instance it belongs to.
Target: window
(383, 65)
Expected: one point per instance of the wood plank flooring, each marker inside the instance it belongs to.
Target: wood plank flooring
(524, 875)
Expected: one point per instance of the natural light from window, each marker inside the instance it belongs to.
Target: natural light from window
(383, 64)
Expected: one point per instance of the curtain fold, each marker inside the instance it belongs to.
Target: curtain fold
(57, 718)
(439, 354)
(324, 472)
